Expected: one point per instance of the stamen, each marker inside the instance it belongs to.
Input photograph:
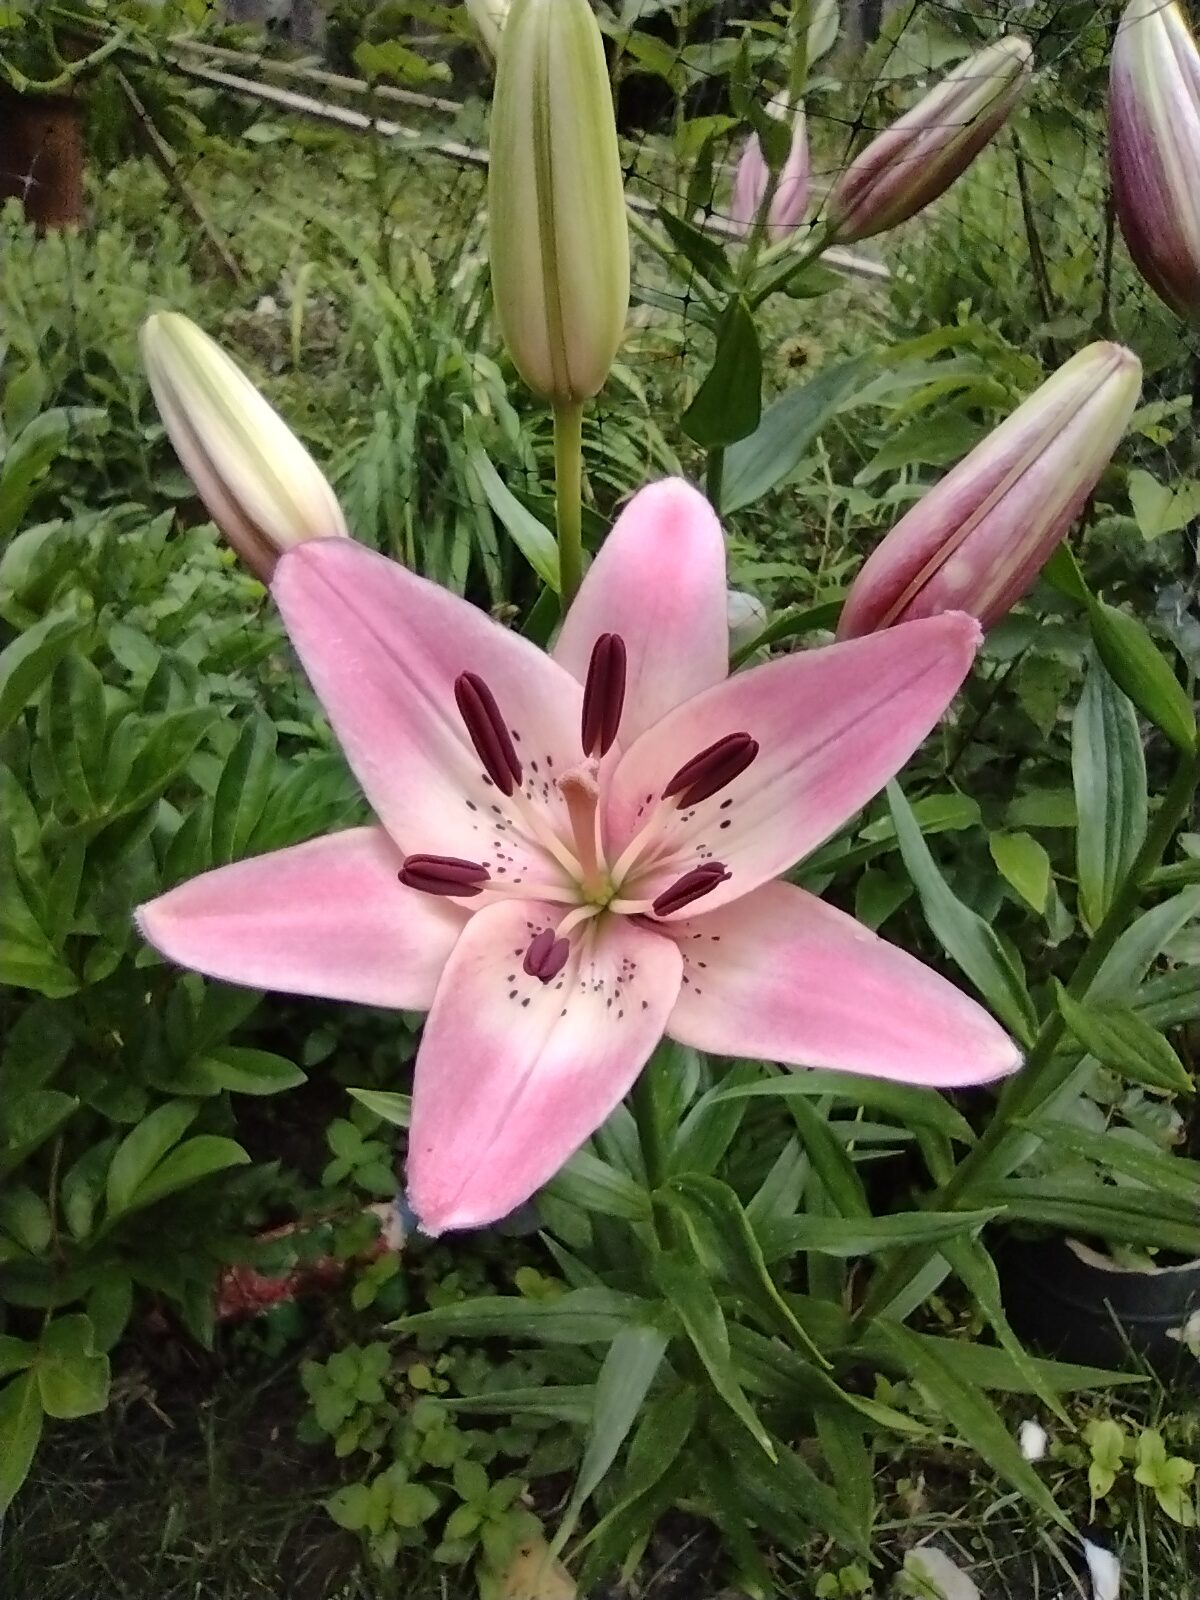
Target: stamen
(692, 886)
(487, 732)
(603, 694)
(546, 956)
(712, 769)
(443, 875)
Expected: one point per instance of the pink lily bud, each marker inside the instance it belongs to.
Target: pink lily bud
(979, 538)
(921, 154)
(1154, 148)
(790, 200)
(262, 488)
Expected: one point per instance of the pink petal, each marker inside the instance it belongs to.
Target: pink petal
(659, 581)
(323, 918)
(749, 184)
(785, 977)
(383, 649)
(832, 725)
(790, 200)
(514, 1074)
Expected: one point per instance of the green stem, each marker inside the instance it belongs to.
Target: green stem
(714, 476)
(568, 496)
(991, 1159)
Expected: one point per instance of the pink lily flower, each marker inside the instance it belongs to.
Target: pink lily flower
(576, 853)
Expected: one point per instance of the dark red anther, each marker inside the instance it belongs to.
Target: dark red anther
(692, 886)
(712, 769)
(546, 956)
(443, 875)
(604, 694)
(487, 731)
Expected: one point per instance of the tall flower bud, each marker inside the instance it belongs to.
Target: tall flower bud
(262, 488)
(556, 199)
(489, 17)
(1154, 148)
(790, 200)
(922, 153)
(978, 539)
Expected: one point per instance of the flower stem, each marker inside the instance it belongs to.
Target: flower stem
(1042, 1076)
(714, 476)
(568, 496)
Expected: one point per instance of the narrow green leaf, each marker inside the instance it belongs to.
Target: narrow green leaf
(907, 1103)
(962, 933)
(789, 1499)
(628, 1370)
(573, 1403)
(1109, 770)
(1127, 963)
(1136, 667)
(972, 1416)
(852, 1462)
(535, 542)
(196, 1158)
(142, 1149)
(658, 1442)
(581, 1316)
(242, 790)
(1166, 1174)
(777, 446)
(830, 1160)
(728, 404)
(596, 1187)
(854, 1236)
(75, 722)
(1126, 1215)
(1121, 1040)
(21, 1418)
(693, 1300)
(990, 1367)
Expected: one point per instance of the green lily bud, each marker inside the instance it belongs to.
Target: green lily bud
(556, 198)
(262, 488)
(489, 17)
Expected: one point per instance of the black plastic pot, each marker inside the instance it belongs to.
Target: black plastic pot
(1069, 1300)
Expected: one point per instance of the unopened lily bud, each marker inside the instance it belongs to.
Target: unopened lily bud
(489, 17)
(978, 539)
(746, 616)
(262, 488)
(790, 200)
(1154, 149)
(922, 153)
(556, 200)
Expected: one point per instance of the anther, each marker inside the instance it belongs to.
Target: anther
(443, 875)
(603, 694)
(712, 769)
(692, 886)
(487, 732)
(546, 956)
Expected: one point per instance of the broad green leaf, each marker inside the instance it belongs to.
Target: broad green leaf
(141, 1150)
(247, 1071)
(189, 1162)
(75, 722)
(1023, 863)
(1133, 662)
(728, 404)
(1159, 508)
(700, 250)
(769, 455)
(907, 1103)
(964, 935)
(21, 1418)
(581, 1316)
(854, 1236)
(595, 1186)
(1122, 1041)
(242, 790)
(628, 1370)
(790, 625)
(72, 1378)
(1166, 1174)
(694, 1302)
(15, 1354)
(535, 542)
(29, 660)
(1109, 770)
(391, 1107)
(28, 1120)
(163, 747)
(972, 1416)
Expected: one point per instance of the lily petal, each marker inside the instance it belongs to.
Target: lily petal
(514, 1074)
(832, 726)
(786, 977)
(324, 918)
(658, 581)
(383, 649)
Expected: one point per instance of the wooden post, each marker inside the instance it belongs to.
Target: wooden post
(41, 156)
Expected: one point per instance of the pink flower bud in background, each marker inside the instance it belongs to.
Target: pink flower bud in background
(260, 485)
(920, 155)
(790, 200)
(1154, 148)
(977, 541)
